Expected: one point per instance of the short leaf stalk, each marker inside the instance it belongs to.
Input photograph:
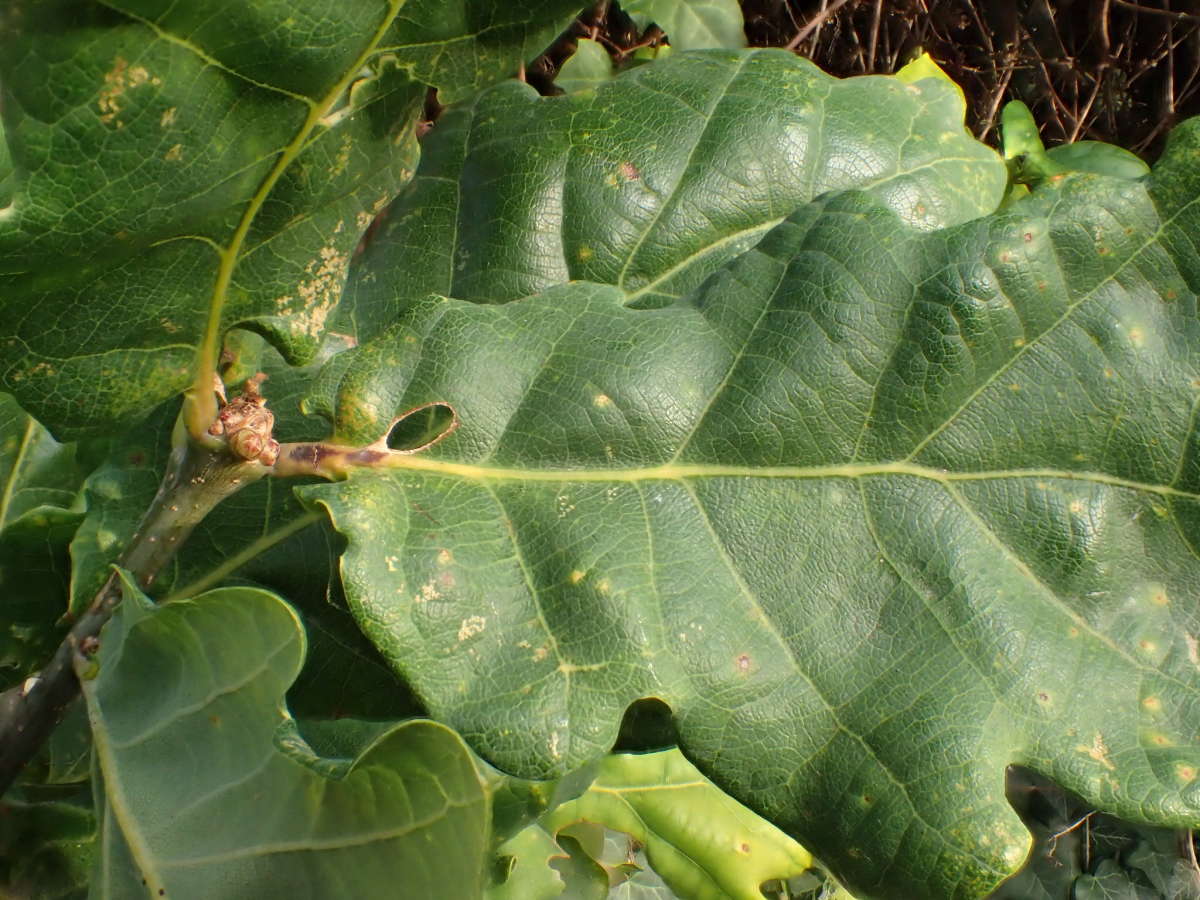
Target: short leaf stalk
(198, 477)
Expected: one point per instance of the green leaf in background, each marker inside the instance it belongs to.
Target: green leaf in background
(40, 509)
(877, 512)
(693, 24)
(1099, 158)
(657, 178)
(526, 872)
(47, 844)
(588, 67)
(184, 168)
(189, 731)
(701, 842)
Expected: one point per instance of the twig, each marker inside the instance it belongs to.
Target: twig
(1081, 821)
(1167, 13)
(196, 480)
(815, 22)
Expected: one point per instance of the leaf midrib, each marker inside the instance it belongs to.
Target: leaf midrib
(688, 471)
(206, 353)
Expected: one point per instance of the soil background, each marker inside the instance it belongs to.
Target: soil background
(1111, 70)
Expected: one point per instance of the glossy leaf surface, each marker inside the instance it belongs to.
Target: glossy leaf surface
(876, 511)
(654, 180)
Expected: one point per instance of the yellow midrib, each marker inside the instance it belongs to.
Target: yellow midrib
(684, 471)
(202, 399)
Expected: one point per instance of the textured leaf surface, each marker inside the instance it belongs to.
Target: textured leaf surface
(184, 168)
(704, 844)
(694, 24)
(188, 728)
(877, 512)
(655, 179)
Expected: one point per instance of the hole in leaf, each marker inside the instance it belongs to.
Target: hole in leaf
(648, 724)
(422, 427)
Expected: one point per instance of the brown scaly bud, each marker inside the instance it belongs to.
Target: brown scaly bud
(247, 424)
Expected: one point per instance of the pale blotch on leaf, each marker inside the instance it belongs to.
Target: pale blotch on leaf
(1185, 773)
(119, 79)
(318, 293)
(168, 117)
(1193, 649)
(174, 154)
(470, 627)
(445, 557)
(1152, 703)
(602, 400)
(429, 592)
(577, 576)
(1098, 751)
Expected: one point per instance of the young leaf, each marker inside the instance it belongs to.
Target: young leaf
(870, 498)
(187, 168)
(588, 67)
(657, 178)
(704, 844)
(693, 24)
(187, 718)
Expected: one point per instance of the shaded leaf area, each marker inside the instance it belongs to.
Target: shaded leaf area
(186, 713)
(692, 24)
(1081, 853)
(40, 509)
(261, 536)
(183, 170)
(47, 843)
(656, 179)
(876, 512)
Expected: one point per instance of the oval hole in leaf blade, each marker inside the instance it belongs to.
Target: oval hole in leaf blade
(422, 427)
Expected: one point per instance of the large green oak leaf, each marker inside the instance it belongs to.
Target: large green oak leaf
(655, 179)
(876, 511)
(206, 789)
(178, 169)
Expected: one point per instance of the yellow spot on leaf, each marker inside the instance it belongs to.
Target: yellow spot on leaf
(174, 154)
(576, 576)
